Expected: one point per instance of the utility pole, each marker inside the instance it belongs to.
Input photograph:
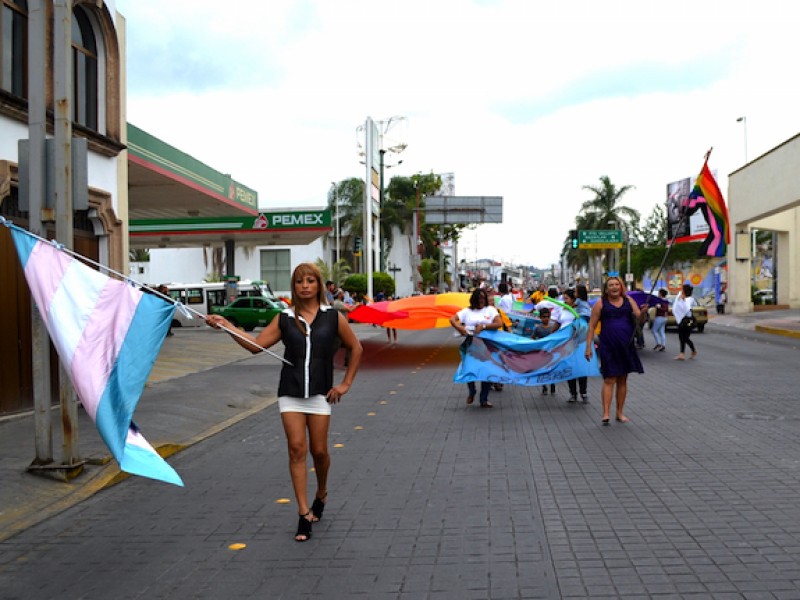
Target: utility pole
(37, 128)
(62, 108)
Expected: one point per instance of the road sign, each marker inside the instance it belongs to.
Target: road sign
(452, 210)
(595, 239)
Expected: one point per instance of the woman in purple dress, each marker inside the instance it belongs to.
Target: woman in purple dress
(617, 315)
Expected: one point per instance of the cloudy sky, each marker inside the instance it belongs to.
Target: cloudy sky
(521, 99)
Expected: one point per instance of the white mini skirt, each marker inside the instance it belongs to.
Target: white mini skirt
(315, 405)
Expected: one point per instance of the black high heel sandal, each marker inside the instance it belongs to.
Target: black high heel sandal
(303, 528)
(318, 506)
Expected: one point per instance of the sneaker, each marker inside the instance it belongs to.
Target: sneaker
(584, 398)
(573, 399)
(544, 390)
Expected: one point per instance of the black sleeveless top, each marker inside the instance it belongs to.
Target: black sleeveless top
(311, 354)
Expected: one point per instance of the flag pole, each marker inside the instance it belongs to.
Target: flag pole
(178, 305)
(672, 241)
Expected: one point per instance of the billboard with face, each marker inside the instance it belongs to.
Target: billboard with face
(680, 228)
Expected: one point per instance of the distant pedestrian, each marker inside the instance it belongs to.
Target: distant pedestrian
(330, 288)
(578, 383)
(722, 301)
(391, 331)
(163, 289)
(617, 314)
(545, 327)
(506, 302)
(308, 330)
(480, 316)
(658, 325)
(682, 310)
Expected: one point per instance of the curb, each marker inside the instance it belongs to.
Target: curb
(778, 331)
(110, 475)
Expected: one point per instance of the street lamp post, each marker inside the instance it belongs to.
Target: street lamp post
(616, 250)
(338, 230)
(743, 121)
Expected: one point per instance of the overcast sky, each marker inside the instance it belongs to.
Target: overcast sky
(522, 99)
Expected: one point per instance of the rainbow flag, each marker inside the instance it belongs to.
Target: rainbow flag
(707, 198)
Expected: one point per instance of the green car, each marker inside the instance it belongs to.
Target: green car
(249, 312)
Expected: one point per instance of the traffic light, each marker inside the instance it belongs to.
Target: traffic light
(357, 243)
(573, 239)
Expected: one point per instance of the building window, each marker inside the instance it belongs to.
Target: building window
(84, 69)
(276, 269)
(14, 47)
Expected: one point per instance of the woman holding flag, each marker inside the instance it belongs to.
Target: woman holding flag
(617, 314)
(309, 330)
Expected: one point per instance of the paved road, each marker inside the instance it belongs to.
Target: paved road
(430, 499)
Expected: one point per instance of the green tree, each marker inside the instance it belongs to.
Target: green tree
(139, 255)
(654, 231)
(429, 271)
(603, 208)
(350, 197)
(340, 271)
(357, 284)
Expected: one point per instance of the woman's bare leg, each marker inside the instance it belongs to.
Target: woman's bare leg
(606, 393)
(622, 393)
(318, 440)
(294, 425)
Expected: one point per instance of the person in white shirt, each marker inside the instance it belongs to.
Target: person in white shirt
(470, 321)
(555, 309)
(506, 299)
(682, 310)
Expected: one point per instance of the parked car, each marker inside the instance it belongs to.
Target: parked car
(249, 312)
(765, 296)
(700, 314)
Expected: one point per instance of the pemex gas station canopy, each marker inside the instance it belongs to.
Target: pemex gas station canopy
(176, 201)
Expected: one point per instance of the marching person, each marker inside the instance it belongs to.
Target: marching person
(682, 309)
(617, 313)
(478, 317)
(309, 330)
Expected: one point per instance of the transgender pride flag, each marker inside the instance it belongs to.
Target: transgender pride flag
(108, 335)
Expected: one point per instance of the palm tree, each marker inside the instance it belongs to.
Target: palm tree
(350, 196)
(139, 255)
(604, 209)
(340, 271)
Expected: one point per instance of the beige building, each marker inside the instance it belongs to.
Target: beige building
(765, 195)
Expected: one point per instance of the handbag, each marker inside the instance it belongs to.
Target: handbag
(687, 321)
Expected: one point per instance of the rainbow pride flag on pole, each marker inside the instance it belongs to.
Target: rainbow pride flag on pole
(108, 335)
(707, 198)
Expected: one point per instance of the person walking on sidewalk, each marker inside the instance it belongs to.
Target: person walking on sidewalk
(682, 309)
(617, 314)
(309, 330)
(480, 316)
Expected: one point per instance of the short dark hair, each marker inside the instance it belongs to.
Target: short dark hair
(544, 312)
(502, 288)
(687, 289)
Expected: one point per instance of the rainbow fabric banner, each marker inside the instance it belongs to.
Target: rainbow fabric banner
(107, 335)
(501, 357)
(707, 198)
